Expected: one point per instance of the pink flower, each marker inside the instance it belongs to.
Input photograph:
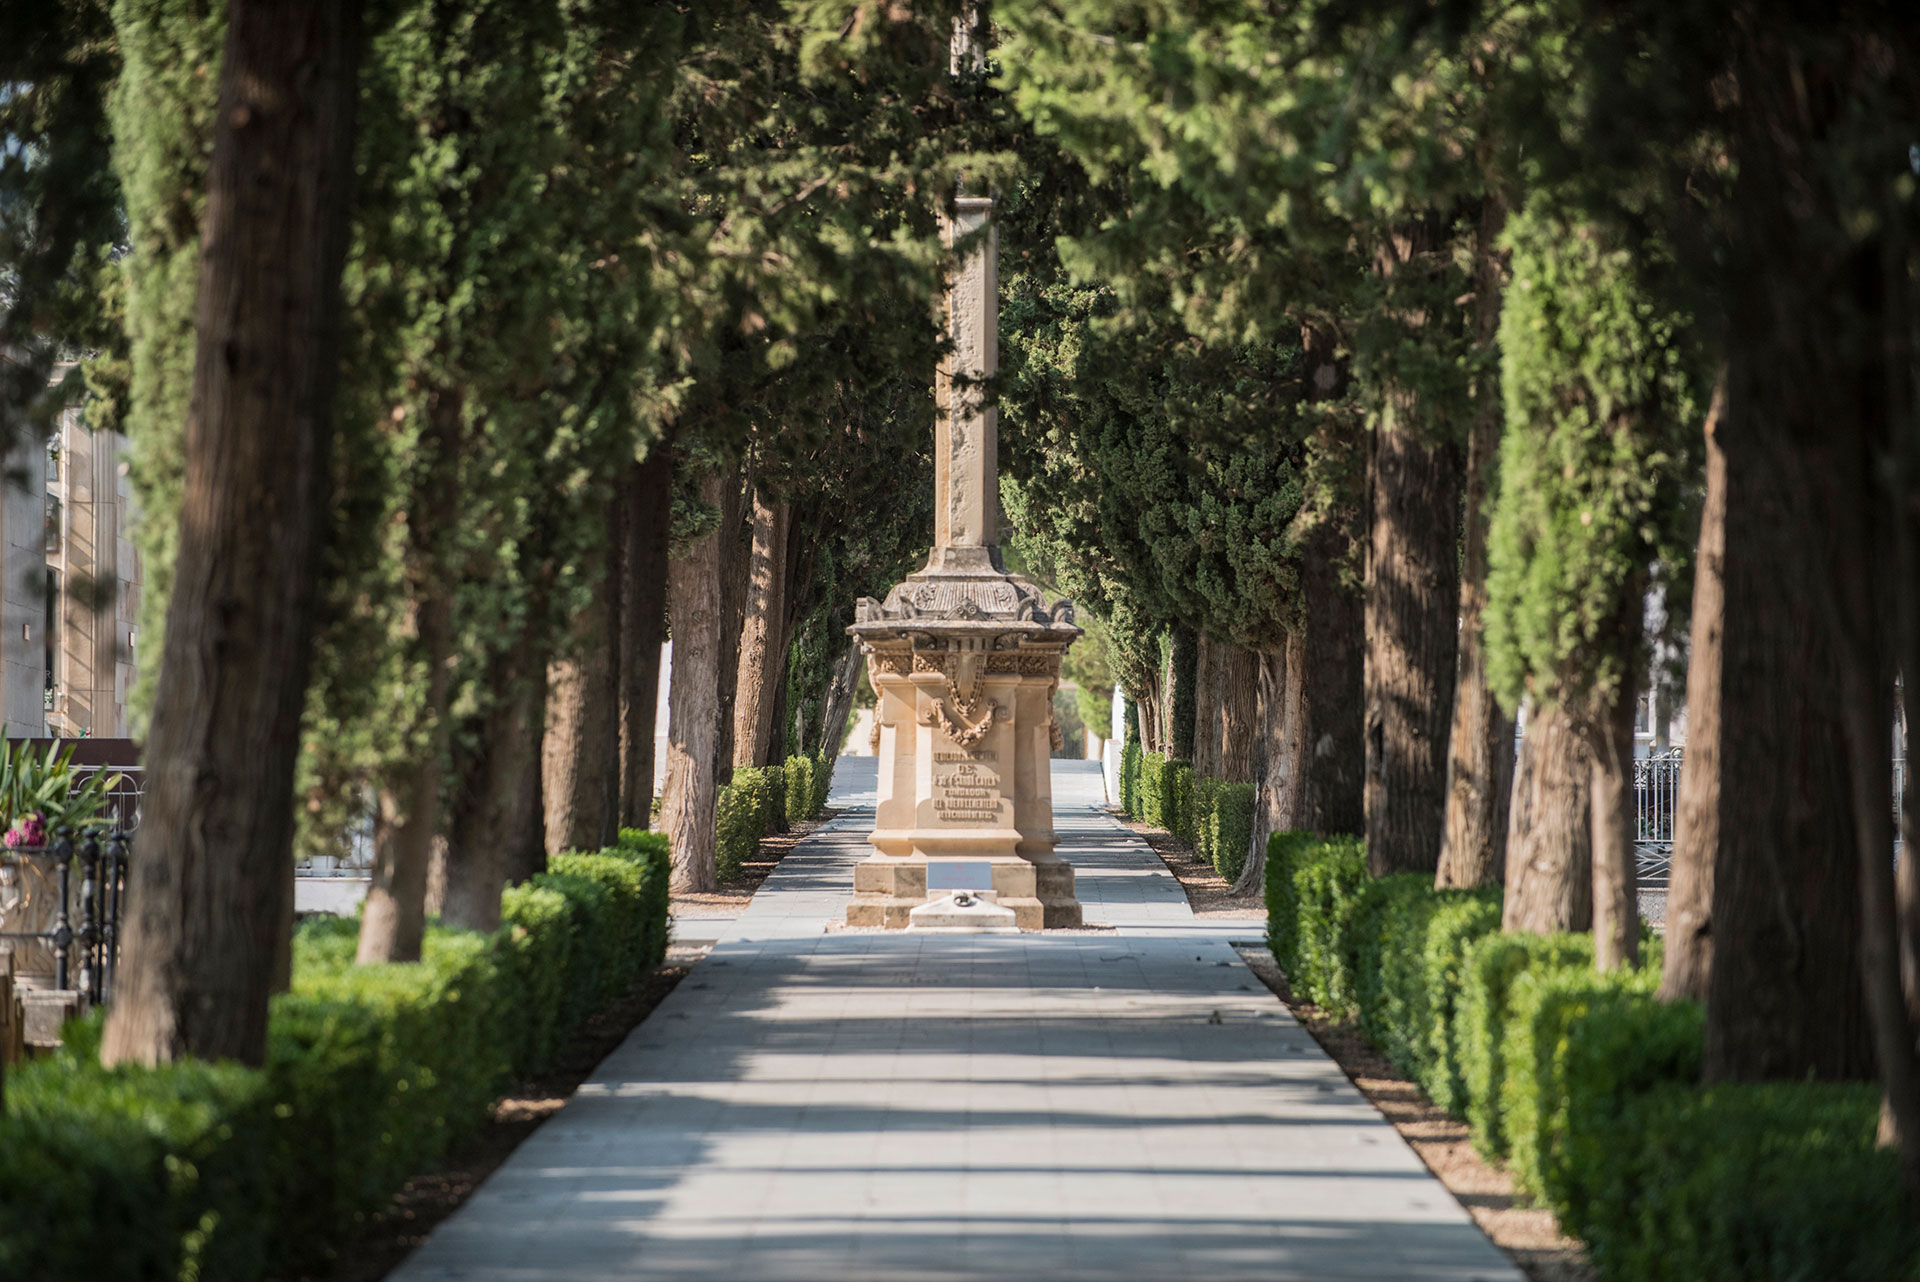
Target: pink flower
(28, 831)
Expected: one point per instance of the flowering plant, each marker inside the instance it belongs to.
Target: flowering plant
(41, 791)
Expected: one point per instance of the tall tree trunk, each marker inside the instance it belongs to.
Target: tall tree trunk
(735, 549)
(1184, 664)
(1413, 597)
(209, 894)
(839, 701)
(763, 650)
(1206, 708)
(1283, 754)
(1550, 832)
(524, 824)
(393, 922)
(580, 779)
(1609, 743)
(693, 702)
(487, 793)
(1412, 639)
(1238, 684)
(643, 629)
(1784, 997)
(1696, 821)
(1473, 837)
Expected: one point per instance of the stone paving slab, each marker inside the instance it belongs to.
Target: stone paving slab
(853, 1106)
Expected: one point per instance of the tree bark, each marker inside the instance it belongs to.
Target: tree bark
(1696, 822)
(210, 890)
(488, 795)
(1609, 743)
(1182, 707)
(393, 922)
(839, 701)
(735, 549)
(763, 651)
(1281, 764)
(1206, 708)
(1473, 837)
(693, 702)
(1784, 997)
(580, 775)
(1412, 640)
(643, 629)
(1550, 831)
(524, 824)
(1237, 682)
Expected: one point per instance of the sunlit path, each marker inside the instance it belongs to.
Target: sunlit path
(1125, 1104)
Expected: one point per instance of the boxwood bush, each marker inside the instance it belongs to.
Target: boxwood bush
(225, 1174)
(1588, 1085)
(1130, 759)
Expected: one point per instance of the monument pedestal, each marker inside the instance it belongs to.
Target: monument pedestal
(965, 667)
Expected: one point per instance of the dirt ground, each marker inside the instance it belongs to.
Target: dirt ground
(1207, 891)
(732, 897)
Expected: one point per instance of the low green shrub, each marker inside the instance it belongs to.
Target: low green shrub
(1462, 918)
(1130, 757)
(1327, 887)
(1286, 851)
(1153, 789)
(1780, 1181)
(1177, 800)
(1492, 966)
(1230, 827)
(799, 781)
(1576, 1039)
(742, 815)
(1622, 1044)
(1202, 795)
(822, 782)
(1391, 917)
(225, 1174)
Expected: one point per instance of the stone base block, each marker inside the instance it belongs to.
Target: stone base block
(888, 889)
(964, 913)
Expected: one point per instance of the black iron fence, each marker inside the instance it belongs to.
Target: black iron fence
(1656, 794)
(60, 910)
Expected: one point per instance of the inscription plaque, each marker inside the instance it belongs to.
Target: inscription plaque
(966, 791)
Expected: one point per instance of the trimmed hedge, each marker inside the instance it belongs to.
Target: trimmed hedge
(218, 1173)
(1211, 815)
(1130, 758)
(1228, 824)
(1588, 1085)
(1780, 1181)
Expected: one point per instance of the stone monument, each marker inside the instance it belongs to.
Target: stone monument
(965, 659)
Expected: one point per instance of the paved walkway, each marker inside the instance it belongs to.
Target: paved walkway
(1124, 1105)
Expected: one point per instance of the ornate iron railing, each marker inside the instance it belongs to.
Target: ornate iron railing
(61, 907)
(1656, 794)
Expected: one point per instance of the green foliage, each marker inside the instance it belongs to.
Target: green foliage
(1585, 1040)
(1596, 465)
(228, 1174)
(1229, 826)
(1491, 969)
(161, 114)
(744, 813)
(1131, 759)
(43, 782)
(1589, 1083)
(1177, 800)
(1780, 1181)
(1457, 923)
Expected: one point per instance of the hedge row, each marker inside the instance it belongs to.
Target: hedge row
(220, 1173)
(1211, 815)
(1587, 1086)
(766, 799)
